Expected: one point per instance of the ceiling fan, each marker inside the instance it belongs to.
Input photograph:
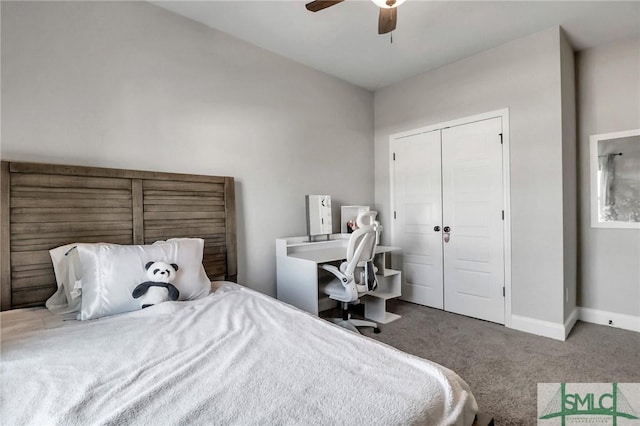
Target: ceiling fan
(388, 14)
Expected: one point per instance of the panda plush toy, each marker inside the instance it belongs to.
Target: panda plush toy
(159, 288)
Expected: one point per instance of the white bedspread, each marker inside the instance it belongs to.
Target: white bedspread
(235, 357)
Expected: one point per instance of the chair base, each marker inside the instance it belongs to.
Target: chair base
(352, 324)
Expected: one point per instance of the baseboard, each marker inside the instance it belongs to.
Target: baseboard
(541, 328)
(612, 319)
(570, 322)
(561, 331)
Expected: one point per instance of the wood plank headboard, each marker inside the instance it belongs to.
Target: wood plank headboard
(43, 206)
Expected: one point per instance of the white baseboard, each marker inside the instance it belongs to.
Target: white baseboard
(541, 328)
(595, 316)
(561, 331)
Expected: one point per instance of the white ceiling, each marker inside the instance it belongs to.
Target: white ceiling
(343, 40)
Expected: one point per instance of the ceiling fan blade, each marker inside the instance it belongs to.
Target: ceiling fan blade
(387, 20)
(318, 5)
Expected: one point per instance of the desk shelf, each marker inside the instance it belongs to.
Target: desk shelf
(389, 287)
(389, 273)
(385, 295)
(388, 317)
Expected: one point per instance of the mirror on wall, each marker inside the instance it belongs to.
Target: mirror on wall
(615, 180)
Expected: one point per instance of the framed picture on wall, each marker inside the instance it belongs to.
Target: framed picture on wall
(615, 179)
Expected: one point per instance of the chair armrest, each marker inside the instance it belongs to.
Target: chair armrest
(335, 271)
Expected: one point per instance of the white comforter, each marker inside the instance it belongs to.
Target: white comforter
(235, 357)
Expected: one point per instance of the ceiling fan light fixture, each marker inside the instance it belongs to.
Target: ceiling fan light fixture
(388, 4)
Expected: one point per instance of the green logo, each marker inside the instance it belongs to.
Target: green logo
(611, 403)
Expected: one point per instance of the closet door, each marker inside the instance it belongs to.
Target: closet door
(417, 203)
(472, 203)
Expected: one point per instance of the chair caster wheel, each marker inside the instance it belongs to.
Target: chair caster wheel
(376, 330)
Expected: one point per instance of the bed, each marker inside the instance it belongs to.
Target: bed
(235, 356)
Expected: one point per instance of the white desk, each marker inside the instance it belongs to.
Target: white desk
(297, 272)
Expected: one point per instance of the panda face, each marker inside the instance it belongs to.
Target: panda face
(161, 271)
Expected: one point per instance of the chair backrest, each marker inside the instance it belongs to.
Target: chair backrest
(362, 243)
(369, 219)
(366, 219)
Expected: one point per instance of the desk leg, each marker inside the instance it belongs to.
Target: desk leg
(298, 283)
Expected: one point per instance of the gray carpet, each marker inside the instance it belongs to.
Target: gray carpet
(504, 366)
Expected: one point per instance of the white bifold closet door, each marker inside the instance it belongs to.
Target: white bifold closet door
(448, 202)
(418, 200)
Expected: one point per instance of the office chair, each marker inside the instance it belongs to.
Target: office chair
(357, 275)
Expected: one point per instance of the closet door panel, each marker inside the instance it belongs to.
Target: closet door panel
(472, 206)
(418, 210)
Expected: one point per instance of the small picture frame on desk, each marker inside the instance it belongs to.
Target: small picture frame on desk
(348, 216)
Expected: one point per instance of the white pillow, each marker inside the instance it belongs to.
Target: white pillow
(66, 266)
(110, 274)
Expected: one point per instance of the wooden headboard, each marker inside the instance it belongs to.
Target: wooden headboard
(43, 206)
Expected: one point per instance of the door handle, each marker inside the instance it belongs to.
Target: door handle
(447, 229)
(447, 234)
(436, 228)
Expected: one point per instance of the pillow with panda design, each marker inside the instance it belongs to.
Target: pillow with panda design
(111, 273)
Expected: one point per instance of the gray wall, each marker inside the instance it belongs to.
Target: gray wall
(130, 85)
(608, 101)
(523, 75)
(569, 175)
